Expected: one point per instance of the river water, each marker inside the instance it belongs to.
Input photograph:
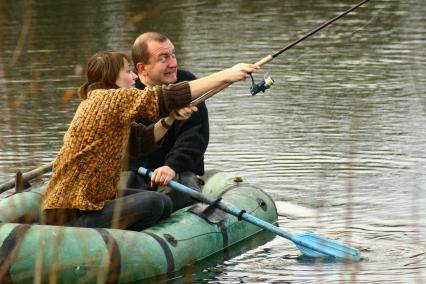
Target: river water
(342, 131)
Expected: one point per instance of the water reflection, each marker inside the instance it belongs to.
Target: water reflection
(342, 130)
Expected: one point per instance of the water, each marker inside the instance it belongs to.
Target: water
(342, 131)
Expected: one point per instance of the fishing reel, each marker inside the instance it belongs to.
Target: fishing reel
(266, 83)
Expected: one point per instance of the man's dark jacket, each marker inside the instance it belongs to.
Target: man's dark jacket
(184, 144)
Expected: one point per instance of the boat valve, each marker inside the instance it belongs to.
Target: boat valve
(266, 83)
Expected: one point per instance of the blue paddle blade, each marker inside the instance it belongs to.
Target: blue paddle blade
(316, 246)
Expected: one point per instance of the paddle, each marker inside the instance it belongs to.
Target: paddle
(308, 243)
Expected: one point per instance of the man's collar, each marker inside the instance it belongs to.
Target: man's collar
(139, 84)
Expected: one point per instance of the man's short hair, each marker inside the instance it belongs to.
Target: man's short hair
(140, 51)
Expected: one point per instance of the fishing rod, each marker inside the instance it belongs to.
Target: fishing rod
(267, 81)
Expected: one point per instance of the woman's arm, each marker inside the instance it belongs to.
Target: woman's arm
(161, 126)
(144, 139)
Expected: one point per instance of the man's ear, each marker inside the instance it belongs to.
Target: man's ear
(140, 68)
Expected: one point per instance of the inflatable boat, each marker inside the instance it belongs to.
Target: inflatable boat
(34, 253)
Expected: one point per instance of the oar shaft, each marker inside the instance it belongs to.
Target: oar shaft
(223, 205)
(241, 214)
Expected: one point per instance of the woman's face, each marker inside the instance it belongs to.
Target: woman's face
(126, 78)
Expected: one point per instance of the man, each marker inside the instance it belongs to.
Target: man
(180, 155)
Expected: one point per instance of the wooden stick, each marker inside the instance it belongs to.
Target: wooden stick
(26, 177)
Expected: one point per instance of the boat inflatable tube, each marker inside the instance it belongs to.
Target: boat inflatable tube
(34, 253)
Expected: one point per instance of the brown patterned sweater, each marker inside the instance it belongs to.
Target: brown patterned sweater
(87, 168)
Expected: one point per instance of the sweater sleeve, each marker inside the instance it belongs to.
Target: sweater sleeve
(173, 96)
(132, 102)
(152, 103)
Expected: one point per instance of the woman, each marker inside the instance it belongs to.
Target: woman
(83, 187)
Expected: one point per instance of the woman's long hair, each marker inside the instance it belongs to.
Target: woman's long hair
(102, 71)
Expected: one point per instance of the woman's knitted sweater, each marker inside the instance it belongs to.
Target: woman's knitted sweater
(87, 168)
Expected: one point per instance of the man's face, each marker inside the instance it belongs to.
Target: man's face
(162, 64)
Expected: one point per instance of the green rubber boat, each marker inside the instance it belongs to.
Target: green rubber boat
(33, 253)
